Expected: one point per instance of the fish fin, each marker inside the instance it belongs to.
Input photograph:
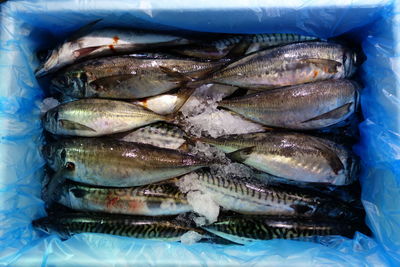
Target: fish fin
(183, 95)
(241, 154)
(329, 66)
(85, 29)
(85, 51)
(301, 209)
(70, 125)
(334, 161)
(184, 147)
(175, 75)
(333, 114)
(79, 193)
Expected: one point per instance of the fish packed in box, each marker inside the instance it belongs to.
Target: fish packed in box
(170, 137)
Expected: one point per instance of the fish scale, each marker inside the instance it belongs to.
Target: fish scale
(251, 197)
(288, 65)
(130, 76)
(132, 226)
(108, 162)
(293, 156)
(243, 230)
(150, 200)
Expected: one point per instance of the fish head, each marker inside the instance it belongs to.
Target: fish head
(55, 154)
(350, 62)
(71, 83)
(49, 225)
(51, 121)
(43, 224)
(50, 63)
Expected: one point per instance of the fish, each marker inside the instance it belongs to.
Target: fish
(129, 76)
(249, 196)
(258, 42)
(239, 45)
(159, 134)
(155, 228)
(149, 200)
(246, 229)
(300, 107)
(349, 194)
(293, 156)
(102, 42)
(287, 65)
(98, 117)
(166, 103)
(108, 162)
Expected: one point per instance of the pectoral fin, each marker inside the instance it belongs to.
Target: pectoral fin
(241, 155)
(336, 113)
(175, 75)
(329, 66)
(333, 160)
(85, 51)
(70, 125)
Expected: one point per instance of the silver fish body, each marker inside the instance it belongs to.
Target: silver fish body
(102, 42)
(293, 156)
(244, 230)
(302, 107)
(159, 134)
(97, 117)
(149, 200)
(156, 228)
(129, 76)
(288, 65)
(107, 162)
(248, 196)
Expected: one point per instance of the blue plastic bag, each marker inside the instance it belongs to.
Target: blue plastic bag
(28, 25)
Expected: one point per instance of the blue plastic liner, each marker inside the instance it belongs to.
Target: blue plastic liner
(26, 26)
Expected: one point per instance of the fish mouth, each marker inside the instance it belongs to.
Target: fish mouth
(40, 71)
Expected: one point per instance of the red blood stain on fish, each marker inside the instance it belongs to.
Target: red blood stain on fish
(111, 201)
(315, 74)
(115, 38)
(111, 47)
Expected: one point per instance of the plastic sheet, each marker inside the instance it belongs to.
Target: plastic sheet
(28, 25)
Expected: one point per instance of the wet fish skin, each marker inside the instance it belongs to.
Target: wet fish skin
(260, 42)
(249, 196)
(156, 228)
(239, 45)
(130, 76)
(150, 200)
(245, 229)
(102, 42)
(288, 65)
(293, 156)
(302, 107)
(159, 134)
(97, 117)
(107, 162)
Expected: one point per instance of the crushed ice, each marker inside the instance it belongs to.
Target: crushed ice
(191, 237)
(201, 116)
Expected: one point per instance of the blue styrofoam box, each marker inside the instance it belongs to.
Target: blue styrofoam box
(28, 25)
